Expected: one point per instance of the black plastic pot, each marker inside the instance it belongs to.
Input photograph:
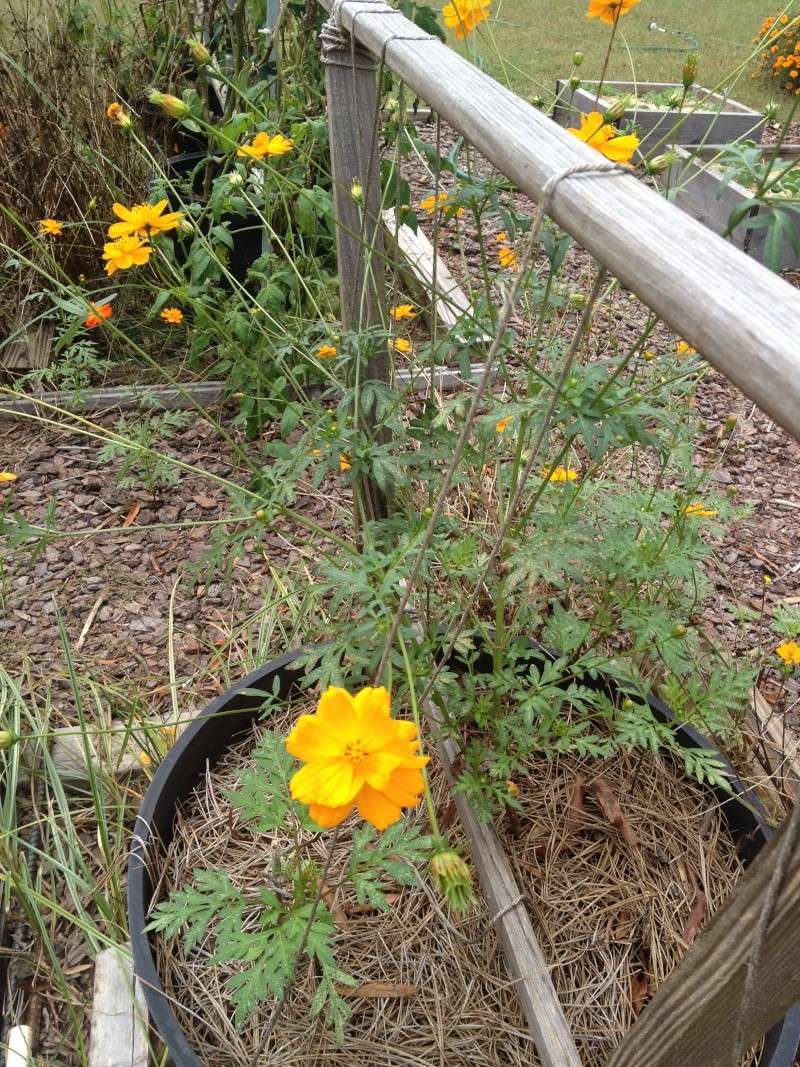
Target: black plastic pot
(230, 716)
(247, 231)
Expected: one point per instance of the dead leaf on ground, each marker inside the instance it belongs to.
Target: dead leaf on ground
(695, 920)
(576, 804)
(613, 811)
(640, 990)
(130, 518)
(378, 989)
(204, 501)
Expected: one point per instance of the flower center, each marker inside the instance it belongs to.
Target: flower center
(355, 752)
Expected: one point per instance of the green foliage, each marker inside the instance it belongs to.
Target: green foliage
(392, 854)
(139, 443)
(263, 793)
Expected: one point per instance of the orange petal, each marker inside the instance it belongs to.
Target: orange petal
(328, 817)
(332, 783)
(311, 739)
(377, 808)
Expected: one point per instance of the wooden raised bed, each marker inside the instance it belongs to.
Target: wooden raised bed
(723, 121)
(696, 186)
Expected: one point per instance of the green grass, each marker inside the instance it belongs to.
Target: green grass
(536, 40)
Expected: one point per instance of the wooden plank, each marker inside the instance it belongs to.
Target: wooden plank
(780, 745)
(31, 351)
(695, 1016)
(524, 958)
(118, 1035)
(417, 266)
(741, 317)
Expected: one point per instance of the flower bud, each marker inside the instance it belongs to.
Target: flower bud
(200, 54)
(577, 59)
(261, 515)
(678, 631)
(538, 102)
(730, 424)
(357, 191)
(648, 354)
(574, 82)
(453, 879)
(577, 300)
(513, 788)
(771, 111)
(186, 226)
(117, 113)
(658, 164)
(7, 739)
(235, 178)
(617, 110)
(170, 105)
(689, 70)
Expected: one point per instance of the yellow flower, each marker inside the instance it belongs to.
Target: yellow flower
(512, 788)
(648, 354)
(344, 462)
(609, 10)
(356, 755)
(6, 477)
(700, 511)
(502, 237)
(50, 228)
(126, 252)
(401, 345)
(462, 16)
(172, 315)
(502, 424)
(683, 350)
(403, 311)
(561, 474)
(507, 258)
(145, 760)
(327, 351)
(789, 652)
(264, 145)
(143, 220)
(432, 204)
(595, 131)
(117, 113)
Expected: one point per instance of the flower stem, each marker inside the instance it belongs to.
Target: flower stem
(608, 56)
(416, 716)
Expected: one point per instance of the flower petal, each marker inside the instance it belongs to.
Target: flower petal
(328, 817)
(311, 739)
(336, 711)
(332, 783)
(376, 769)
(377, 808)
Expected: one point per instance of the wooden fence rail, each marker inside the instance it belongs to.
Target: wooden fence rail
(741, 318)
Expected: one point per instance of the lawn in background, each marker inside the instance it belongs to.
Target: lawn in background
(537, 38)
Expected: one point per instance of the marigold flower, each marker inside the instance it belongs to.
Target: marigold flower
(503, 424)
(403, 311)
(126, 252)
(172, 315)
(50, 228)
(609, 11)
(143, 220)
(595, 131)
(117, 113)
(344, 462)
(507, 258)
(327, 351)
(356, 756)
(264, 145)
(453, 879)
(699, 510)
(462, 16)
(683, 349)
(401, 345)
(6, 477)
(789, 652)
(96, 316)
(560, 474)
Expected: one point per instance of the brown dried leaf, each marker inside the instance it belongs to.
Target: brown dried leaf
(204, 501)
(378, 989)
(640, 990)
(613, 811)
(695, 920)
(130, 518)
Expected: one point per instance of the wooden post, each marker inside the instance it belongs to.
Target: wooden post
(695, 1017)
(119, 1014)
(353, 122)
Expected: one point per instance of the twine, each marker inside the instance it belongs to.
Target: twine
(507, 908)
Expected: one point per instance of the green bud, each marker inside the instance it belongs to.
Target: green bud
(678, 631)
(200, 54)
(577, 300)
(574, 82)
(261, 515)
(453, 879)
(689, 70)
(771, 111)
(730, 424)
(577, 59)
(659, 164)
(7, 739)
(617, 110)
(357, 191)
(538, 101)
(427, 513)
(170, 105)
(628, 704)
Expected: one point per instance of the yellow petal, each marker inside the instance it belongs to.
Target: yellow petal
(370, 701)
(311, 739)
(332, 783)
(377, 768)
(405, 787)
(122, 212)
(337, 712)
(328, 817)
(377, 808)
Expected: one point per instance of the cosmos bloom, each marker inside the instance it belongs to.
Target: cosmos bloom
(700, 511)
(431, 204)
(401, 345)
(117, 113)
(684, 349)
(609, 11)
(789, 652)
(264, 145)
(50, 228)
(125, 253)
(356, 756)
(507, 258)
(143, 220)
(561, 474)
(403, 311)
(462, 16)
(96, 316)
(327, 351)
(595, 131)
(7, 477)
(344, 462)
(502, 424)
(174, 316)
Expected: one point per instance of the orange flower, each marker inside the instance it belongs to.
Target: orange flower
(344, 462)
(327, 351)
(50, 228)
(264, 145)
(117, 113)
(683, 349)
(595, 131)
(462, 16)
(507, 258)
(143, 220)
(6, 477)
(609, 11)
(96, 316)
(125, 253)
(403, 311)
(401, 345)
(502, 424)
(174, 316)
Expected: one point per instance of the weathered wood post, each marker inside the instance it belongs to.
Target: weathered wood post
(352, 95)
(708, 1006)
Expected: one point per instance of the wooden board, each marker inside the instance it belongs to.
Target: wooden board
(118, 1035)
(31, 351)
(780, 745)
(742, 318)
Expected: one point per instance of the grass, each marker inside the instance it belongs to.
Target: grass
(536, 40)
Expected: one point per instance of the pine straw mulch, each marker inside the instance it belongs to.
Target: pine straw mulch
(612, 917)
